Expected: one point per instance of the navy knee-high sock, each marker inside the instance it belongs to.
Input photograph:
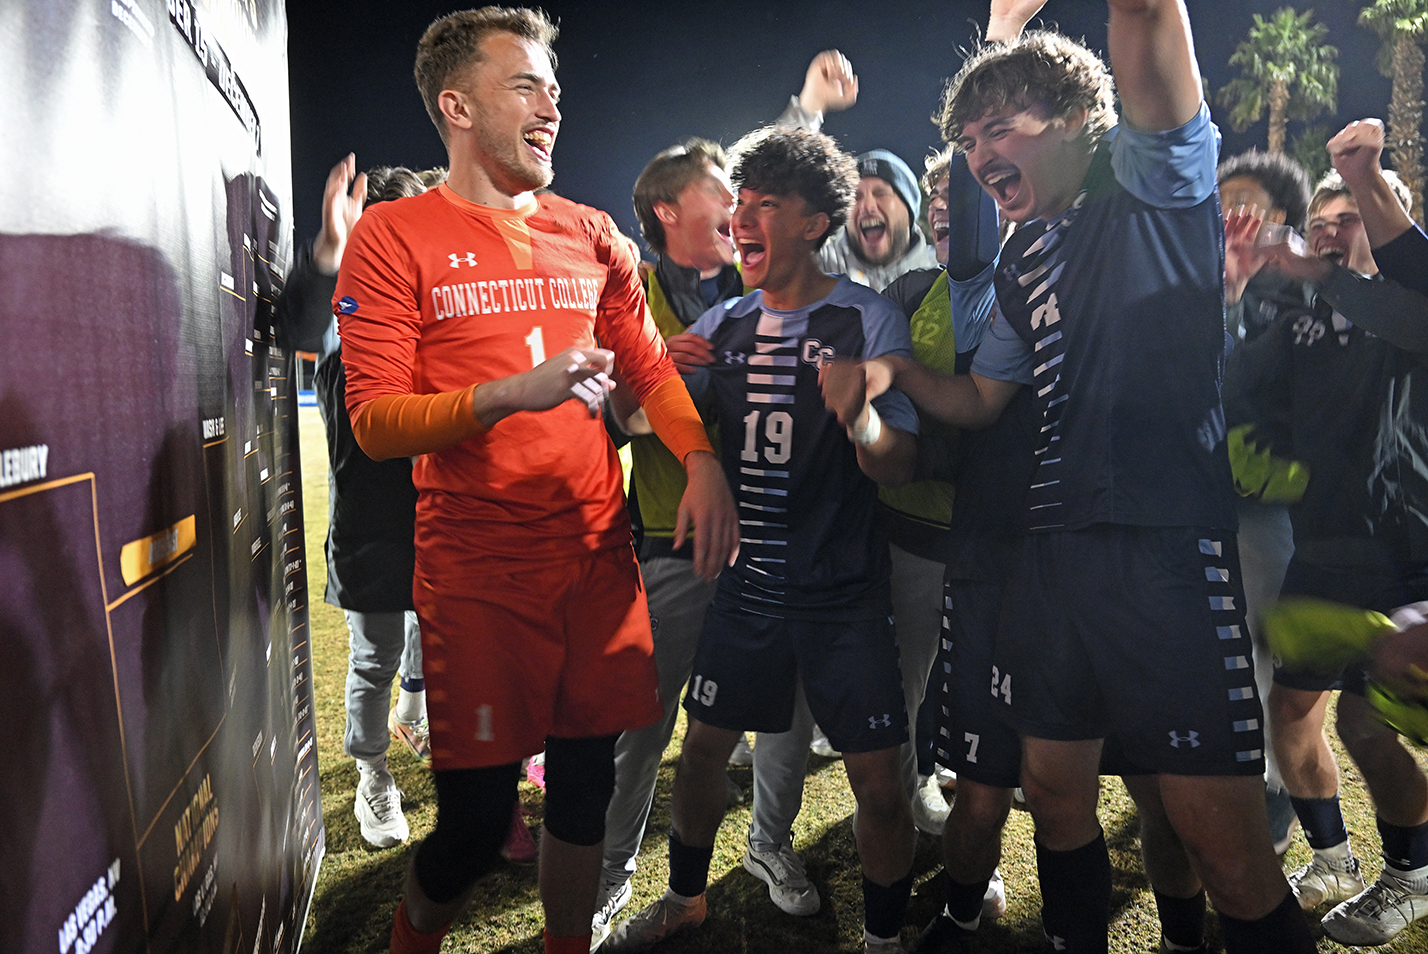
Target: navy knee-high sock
(1076, 896)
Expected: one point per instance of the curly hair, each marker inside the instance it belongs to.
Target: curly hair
(1283, 179)
(385, 183)
(666, 177)
(452, 44)
(798, 162)
(935, 167)
(1039, 68)
(1333, 186)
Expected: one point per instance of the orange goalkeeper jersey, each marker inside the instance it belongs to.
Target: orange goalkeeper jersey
(437, 293)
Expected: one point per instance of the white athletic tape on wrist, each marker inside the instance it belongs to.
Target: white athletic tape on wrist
(869, 433)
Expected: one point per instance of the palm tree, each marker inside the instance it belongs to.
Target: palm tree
(1286, 67)
(1402, 25)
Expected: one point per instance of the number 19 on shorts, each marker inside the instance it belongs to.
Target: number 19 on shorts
(704, 691)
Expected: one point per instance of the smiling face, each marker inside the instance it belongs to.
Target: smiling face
(511, 97)
(1337, 233)
(937, 216)
(776, 236)
(697, 223)
(880, 227)
(1032, 164)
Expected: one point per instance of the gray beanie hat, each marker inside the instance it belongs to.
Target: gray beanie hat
(893, 171)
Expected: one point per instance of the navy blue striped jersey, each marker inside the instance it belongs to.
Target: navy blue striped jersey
(808, 547)
(1114, 313)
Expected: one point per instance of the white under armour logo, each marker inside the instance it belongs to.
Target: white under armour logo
(1057, 943)
(469, 259)
(734, 357)
(884, 723)
(1193, 738)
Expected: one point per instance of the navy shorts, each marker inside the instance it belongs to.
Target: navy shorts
(972, 739)
(746, 668)
(1136, 632)
(1369, 584)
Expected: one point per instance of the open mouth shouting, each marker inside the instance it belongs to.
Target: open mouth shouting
(541, 141)
(1004, 182)
(873, 231)
(751, 254)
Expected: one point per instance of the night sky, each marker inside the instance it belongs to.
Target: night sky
(637, 77)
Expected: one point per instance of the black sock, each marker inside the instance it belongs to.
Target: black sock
(1404, 849)
(964, 901)
(885, 908)
(688, 867)
(1182, 920)
(1076, 896)
(1322, 819)
(1285, 930)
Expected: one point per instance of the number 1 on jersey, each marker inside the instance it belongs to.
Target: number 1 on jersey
(536, 342)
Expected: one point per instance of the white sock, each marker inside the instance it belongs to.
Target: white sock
(411, 706)
(374, 772)
(1416, 880)
(1340, 853)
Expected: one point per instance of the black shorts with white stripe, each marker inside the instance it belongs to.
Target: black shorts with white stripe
(1136, 632)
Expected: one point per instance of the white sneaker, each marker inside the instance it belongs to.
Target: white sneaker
(613, 896)
(1332, 876)
(743, 754)
(1375, 916)
(783, 872)
(994, 902)
(821, 746)
(882, 945)
(666, 915)
(378, 807)
(929, 808)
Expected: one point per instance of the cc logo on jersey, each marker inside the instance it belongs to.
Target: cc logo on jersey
(815, 353)
(469, 260)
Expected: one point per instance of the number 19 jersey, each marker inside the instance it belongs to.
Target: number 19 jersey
(808, 546)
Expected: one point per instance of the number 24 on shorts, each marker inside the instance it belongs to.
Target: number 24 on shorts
(1001, 685)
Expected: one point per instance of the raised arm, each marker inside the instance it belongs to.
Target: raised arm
(1355, 152)
(1153, 61)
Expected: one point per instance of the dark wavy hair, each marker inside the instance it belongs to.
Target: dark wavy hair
(1039, 68)
(798, 162)
(1281, 177)
(452, 44)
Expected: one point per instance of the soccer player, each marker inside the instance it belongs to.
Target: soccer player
(807, 602)
(1122, 610)
(1335, 390)
(535, 628)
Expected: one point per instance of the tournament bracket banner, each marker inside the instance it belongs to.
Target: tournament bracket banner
(159, 786)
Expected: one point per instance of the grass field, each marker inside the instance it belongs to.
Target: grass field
(358, 887)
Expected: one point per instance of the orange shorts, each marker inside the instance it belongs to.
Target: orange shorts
(514, 653)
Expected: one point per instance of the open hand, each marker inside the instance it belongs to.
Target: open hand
(340, 211)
